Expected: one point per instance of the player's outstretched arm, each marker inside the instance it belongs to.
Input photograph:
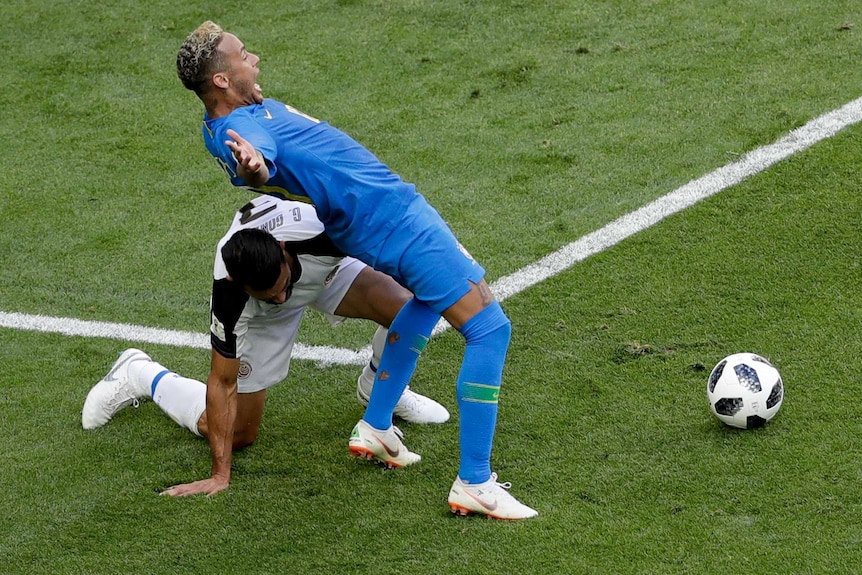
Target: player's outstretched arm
(221, 415)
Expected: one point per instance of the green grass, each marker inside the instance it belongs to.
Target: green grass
(527, 125)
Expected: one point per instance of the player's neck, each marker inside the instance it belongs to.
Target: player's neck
(218, 107)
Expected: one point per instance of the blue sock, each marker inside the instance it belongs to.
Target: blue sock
(408, 335)
(487, 334)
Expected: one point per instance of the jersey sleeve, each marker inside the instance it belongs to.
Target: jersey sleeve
(226, 306)
(245, 125)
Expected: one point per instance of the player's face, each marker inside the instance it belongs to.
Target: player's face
(243, 70)
(279, 292)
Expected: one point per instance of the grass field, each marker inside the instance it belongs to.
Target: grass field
(528, 125)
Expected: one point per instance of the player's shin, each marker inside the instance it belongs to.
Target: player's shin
(407, 337)
(488, 334)
(181, 398)
(366, 379)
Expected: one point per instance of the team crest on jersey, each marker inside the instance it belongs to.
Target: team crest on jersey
(245, 369)
(331, 275)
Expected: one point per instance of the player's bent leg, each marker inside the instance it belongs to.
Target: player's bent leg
(135, 377)
(407, 338)
(249, 412)
(411, 407)
(376, 296)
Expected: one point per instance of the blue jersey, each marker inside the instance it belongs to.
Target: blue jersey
(358, 198)
(368, 211)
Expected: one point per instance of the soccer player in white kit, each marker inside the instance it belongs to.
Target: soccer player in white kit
(252, 337)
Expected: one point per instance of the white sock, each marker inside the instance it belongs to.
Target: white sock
(142, 374)
(181, 398)
(366, 380)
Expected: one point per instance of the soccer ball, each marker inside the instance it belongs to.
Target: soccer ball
(744, 390)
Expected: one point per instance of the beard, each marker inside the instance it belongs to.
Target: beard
(248, 91)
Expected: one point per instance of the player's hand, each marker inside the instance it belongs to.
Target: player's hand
(245, 154)
(209, 486)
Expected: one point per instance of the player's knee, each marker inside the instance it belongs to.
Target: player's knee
(499, 336)
(245, 436)
(490, 326)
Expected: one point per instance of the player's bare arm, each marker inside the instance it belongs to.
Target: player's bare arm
(250, 164)
(221, 415)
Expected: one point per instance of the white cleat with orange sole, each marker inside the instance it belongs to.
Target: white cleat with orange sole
(384, 447)
(490, 498)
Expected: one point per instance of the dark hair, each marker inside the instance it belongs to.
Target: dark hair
(253, 258)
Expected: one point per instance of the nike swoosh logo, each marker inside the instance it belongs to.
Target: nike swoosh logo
(110, 377)
(390, 451)
(488, 506)
(268, 116)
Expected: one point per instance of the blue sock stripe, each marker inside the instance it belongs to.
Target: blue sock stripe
(156, 381)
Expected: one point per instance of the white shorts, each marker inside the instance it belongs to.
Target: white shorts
(271, 329)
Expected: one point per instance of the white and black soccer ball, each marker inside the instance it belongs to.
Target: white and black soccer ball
(745, 390)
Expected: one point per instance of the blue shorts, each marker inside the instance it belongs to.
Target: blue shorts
(426, 258)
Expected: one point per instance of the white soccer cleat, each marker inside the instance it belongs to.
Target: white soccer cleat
(114, 392)
(411, 407)
(489, 498)
(385, 447)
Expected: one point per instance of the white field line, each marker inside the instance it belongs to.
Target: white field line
(754, 162)
(141, 334)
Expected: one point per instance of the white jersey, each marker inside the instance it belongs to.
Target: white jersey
(294, 223)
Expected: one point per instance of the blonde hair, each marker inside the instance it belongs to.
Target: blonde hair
(199, 58)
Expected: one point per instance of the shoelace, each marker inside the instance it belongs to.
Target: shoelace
(409, 400)
(506, 485)
(115, 400)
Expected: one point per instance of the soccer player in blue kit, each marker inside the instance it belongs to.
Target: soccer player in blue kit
(369, 213)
